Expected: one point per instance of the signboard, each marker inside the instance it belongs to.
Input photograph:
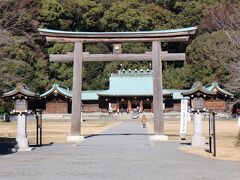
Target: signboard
(21, 105)
(184, 117)
(198, 103)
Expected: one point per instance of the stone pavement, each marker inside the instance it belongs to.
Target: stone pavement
(121, 153)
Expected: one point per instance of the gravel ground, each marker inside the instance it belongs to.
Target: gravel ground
(122, 152)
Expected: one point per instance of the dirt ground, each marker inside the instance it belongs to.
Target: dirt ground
(226, 138)
(54, 131)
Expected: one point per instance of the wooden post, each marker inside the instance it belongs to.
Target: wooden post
(141, 105)
(118, 106)
(77, 89)
(129, 105)
(152, 106)
(157, 88)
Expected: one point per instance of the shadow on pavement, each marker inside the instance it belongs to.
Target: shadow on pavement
(186, 143)
(119, 134)
(128, 134)
(6, 145)
(9, 145)
(42, 145)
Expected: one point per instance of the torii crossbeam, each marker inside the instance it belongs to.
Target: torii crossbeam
(156, 56)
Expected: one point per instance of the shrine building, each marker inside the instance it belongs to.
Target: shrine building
(131, 89)
(128, 90)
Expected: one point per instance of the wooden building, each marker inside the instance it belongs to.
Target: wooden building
(129, 90)
(90, 102)
(198, 96)
(222, 101)
(57, 100)
(22, 98)
(215, 98)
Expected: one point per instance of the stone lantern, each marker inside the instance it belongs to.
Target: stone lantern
(24, 103)
(197, 95)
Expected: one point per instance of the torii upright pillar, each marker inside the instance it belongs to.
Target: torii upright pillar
(76, 94)
(157, 93)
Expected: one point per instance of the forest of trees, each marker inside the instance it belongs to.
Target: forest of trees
(213, 54)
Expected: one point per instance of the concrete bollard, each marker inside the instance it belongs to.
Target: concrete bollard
(198, 140)
(21, 139)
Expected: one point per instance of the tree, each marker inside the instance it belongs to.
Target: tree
(90, 13)
(60, 72)
(233, 85)
(50, 14)
(19, 48)
(134, 15)
(13, 72)
(189, 12)
(224, 17)
(207, 62)
(177, 78)
(75, 15)
(93, 75)
(17, 16)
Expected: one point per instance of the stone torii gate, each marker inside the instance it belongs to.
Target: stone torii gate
(156, 56)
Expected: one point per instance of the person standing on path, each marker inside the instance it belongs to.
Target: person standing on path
(144, 121)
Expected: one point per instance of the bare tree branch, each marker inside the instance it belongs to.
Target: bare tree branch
(225, 17)
(10, 13)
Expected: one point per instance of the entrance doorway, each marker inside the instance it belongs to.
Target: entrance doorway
(135, 103)
(147, 105)
(123, 105)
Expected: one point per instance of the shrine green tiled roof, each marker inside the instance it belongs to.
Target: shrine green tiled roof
(20, 89)
(58, 89)
(86, 95)
(215, 87)
(198, 87)
(135, 83)
(131, 84)
(91, 94)
(177, 94)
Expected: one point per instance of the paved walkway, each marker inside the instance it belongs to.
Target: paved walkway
(121, 153)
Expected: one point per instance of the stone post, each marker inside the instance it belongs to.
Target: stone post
(21, 139)
(198, 140)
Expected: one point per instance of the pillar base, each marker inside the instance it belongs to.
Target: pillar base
(159, 138)
(198, 141)
(22, 142)
(22, 145)
(182, 136)
(25, 149)
(71, 138)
